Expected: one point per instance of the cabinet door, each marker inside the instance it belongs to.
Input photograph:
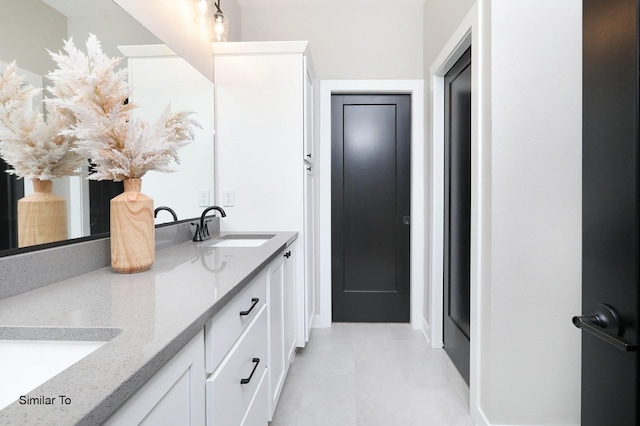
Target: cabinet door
(275, 304)
(173, 396)
(290, 303)
(308, 239)
(308, 114)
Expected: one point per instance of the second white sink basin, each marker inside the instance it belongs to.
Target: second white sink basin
(239, 243)
(242, 240)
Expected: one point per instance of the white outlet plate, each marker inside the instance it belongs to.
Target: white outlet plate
(228, 198)
(203, 198)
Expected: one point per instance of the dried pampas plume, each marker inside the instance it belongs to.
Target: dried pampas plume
(36, 148)
(89, 88)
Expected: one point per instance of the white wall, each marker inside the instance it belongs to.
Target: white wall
(531, 353)
(111, 30)
(27, 29)
(527, 362)
(348, 39)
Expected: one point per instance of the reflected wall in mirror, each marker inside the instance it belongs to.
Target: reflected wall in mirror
(29, 27)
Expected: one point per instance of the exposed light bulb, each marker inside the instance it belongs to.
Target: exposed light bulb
(218, 27)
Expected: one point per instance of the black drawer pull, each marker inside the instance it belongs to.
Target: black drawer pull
(248, 379)
(255, 301)
(287, 254)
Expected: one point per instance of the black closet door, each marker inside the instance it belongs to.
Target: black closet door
(457, 214)
(610, 212)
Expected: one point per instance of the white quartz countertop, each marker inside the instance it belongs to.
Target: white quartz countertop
(152, 314)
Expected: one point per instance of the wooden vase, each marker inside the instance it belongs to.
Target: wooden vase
(42, 216)
(132, 229)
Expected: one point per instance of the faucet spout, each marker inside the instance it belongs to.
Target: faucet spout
(169, 209)
(202, 231)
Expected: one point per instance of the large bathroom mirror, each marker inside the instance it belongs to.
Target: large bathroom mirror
(159, 77)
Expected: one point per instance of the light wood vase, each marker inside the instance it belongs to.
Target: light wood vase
(42, 216)
(132, 229)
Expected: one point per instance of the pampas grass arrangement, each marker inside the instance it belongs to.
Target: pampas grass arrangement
(35, 147)
(90, 88)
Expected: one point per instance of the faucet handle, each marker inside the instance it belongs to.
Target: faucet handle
(198, 234)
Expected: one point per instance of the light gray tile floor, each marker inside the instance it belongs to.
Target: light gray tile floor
(372, 375)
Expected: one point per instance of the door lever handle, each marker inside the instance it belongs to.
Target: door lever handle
(600, 323)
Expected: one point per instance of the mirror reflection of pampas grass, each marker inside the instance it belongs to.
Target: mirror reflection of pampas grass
(35, 147)
(89, 88)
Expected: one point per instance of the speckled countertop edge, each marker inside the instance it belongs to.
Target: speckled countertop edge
(148, 316)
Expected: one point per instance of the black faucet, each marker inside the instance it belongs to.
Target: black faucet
(202, 231)
(169, 209)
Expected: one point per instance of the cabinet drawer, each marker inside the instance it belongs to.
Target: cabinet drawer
(226, 326)
(228, 400)
(258, 410)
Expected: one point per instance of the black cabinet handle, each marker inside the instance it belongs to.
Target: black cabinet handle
(287, 254)
(308, 168)
(605, 324)
(248, 379)
(308, 155)
(255, 301)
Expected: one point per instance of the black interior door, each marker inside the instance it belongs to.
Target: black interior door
(610, 216)
(370, 205)
(457, 214)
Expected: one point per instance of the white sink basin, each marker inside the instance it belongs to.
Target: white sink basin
(242, 240)
(26, 364)
(239, 243)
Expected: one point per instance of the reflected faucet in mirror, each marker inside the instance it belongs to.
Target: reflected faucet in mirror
(169, 209)
(202, 231)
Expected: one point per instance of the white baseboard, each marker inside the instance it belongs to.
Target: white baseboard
(316, 322)
(426, 331)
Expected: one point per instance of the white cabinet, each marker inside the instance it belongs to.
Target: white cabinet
(264, 134)
(175, 395)
(237, 357)
(290, 262)
(233, 388)
(282, 341)
(277, 356)
(224, 329)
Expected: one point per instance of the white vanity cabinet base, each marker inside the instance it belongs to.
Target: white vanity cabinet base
(173, 396)
(281, 303)
(278, 361)
(229, 401)
(227, 325)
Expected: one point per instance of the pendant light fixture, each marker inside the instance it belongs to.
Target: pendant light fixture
(211, 13)
(219, 24)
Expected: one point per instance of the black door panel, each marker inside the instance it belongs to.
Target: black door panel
(457, 214)
(370, 196)
(610, 216)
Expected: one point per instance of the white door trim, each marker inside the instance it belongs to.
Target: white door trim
(468, 33)
(416, 89)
